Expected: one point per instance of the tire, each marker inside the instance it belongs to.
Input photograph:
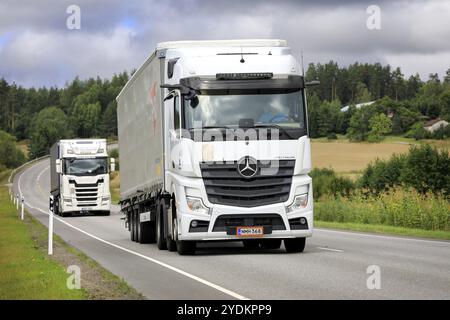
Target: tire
(271, 243)
(132, 227)
(186, 247)
(160, 239)
(294, 245)
(172, 239)
(137, 230)
(172, 243)
(251, 244)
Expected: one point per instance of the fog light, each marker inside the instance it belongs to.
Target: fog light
(302, 221)
(194, 224)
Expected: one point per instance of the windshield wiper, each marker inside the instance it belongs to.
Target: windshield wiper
(210, 127)
(274, 125)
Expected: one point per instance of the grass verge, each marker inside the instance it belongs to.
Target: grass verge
(27, 272)
(382, 229)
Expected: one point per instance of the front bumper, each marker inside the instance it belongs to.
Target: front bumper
(187, 233)
(76, 206)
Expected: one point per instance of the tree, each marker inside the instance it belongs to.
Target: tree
(379, 125)
(359, 124)
(10, 155)
(362, 93)
(50, 125)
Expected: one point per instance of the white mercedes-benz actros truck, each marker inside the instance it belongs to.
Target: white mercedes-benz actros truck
(79, 177)
(213, 139)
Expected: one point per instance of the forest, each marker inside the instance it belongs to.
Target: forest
(87, 108)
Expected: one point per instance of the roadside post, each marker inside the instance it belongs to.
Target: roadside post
(23, 209)
(17, 202)
(50, 225)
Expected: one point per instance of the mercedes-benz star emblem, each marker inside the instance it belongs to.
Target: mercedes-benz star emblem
(247, 167)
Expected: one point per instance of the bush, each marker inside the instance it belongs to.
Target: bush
(401, 208)
(332, 136)
(326, 182)
(424, 168)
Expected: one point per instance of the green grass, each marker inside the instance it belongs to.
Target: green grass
(399, 208)
(25, 271)
(378, 228)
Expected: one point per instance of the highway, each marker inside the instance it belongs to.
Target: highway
(333, 266)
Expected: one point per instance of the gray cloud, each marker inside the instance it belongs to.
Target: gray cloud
(37, 49)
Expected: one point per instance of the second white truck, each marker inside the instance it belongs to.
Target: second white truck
(213, 140)
(79, 177)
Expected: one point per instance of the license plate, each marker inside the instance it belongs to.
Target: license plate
(250, 231)
(85, 209)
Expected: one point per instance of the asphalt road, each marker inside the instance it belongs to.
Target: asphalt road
(334, 265)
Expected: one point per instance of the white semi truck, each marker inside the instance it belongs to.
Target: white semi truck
(79, 177)
(213, 140)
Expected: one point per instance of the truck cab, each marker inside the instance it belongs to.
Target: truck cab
(80, 177)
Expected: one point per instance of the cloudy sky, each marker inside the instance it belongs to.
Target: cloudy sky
(37, 48)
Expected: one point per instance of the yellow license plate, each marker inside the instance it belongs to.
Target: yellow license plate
(250, 231)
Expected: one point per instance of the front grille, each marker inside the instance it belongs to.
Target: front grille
(87, 193)
(224, 185)
(270, 221)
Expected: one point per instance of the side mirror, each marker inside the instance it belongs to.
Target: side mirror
(58, 166)
(113, 164)
(312, 83)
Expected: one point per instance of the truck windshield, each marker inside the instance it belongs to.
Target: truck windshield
(284, 111)
(85, 167)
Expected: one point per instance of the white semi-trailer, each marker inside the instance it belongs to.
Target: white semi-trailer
(79, 177)
(214, 145)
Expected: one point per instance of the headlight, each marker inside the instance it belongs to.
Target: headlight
(68, 201)
(69, 151)
(196, 205)
(300, 202)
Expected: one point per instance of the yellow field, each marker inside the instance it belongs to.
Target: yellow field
(349, 157)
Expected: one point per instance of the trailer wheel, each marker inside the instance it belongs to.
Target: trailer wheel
(294, 245)
(160, 240)
(271, 243)
(186, 247)
(132, 227)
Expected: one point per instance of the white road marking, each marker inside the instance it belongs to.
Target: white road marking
(330, 249)
(356, 233)
(163, 264)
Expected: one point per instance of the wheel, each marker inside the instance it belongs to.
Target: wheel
(132, 227)
(251, 244)
(160, 240)
(295, 244)
(271, 243)
(137, 230)
(186, 247)
(172, 239)
(172, 243)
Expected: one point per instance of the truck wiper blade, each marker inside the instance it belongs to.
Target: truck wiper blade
(274, 125)
(210, 127)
